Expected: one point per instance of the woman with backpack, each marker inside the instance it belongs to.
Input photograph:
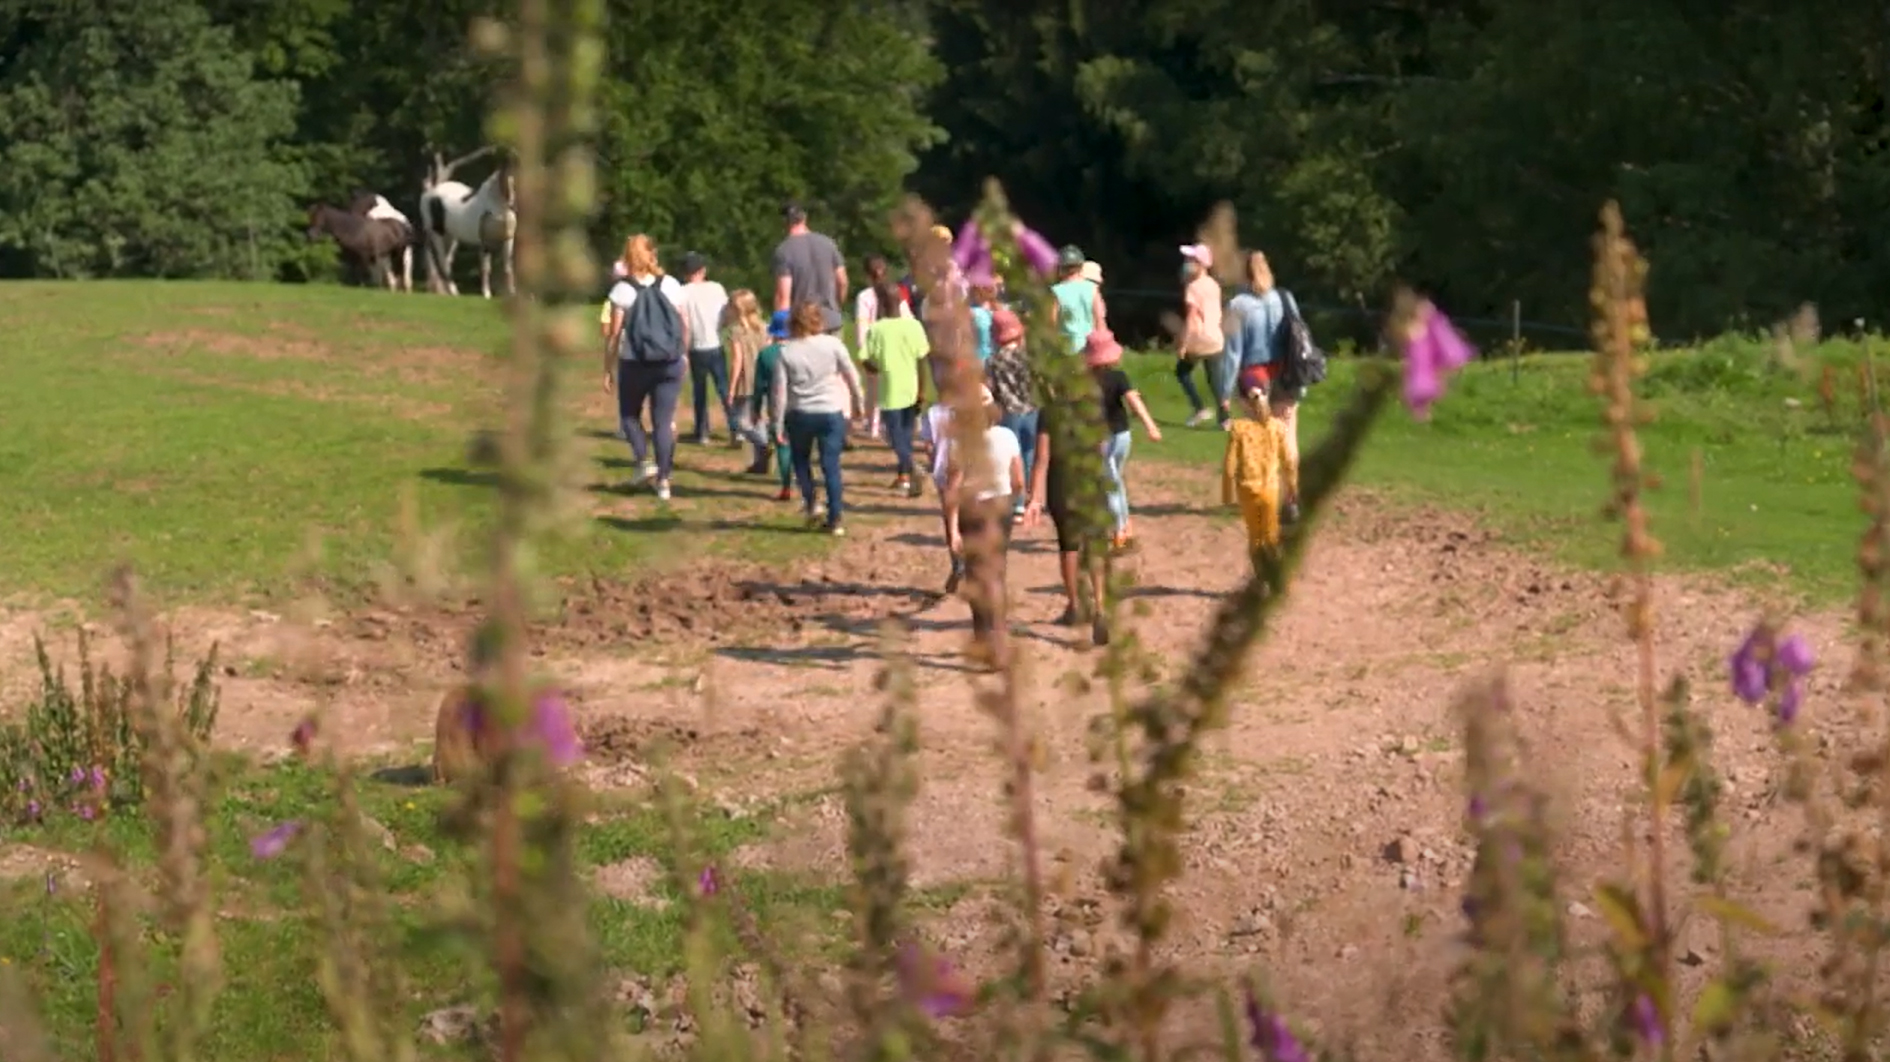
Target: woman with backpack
(645, 359)
(1261, 311)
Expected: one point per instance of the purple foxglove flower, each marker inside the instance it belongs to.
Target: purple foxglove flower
(971, 253)
(274, 842)
(1765, 664)
(551, 725)
(85, 811)
(97, 778)
(33, 810)
(706, 882)
(1646, 1020)
(78, 776)
(930, 983)
(1433, 349)
(1790, 699)
(1750, 675)
(1271, 1036)
(1794, 654)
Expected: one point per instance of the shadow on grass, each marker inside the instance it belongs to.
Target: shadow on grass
(461, 477)
(412, 776)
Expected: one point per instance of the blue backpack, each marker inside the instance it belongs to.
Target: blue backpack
(652, 330)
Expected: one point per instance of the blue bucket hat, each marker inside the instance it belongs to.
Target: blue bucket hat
(778, 326)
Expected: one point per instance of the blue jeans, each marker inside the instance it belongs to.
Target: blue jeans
(659, 386)
(707, 366)
(829, 432)
(900, 424)
(1115, 456)
(1024, 425)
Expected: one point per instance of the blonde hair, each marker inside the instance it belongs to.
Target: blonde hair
(1259, 273)
(744, 312)
(639, 257)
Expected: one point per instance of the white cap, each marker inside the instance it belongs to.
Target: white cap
(1199, 252)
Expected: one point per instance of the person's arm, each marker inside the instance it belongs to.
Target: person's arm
(1140, 408)
(1040, 475)
(865, 310)
(1289, 468)
(1230, 469)
(613, 334)
(872, 350)
(954, 485)
(1017, 474)
(737, 345)
(840, 283)
(922, 371)
(851, 376)
(777, 389)
(1233, 354)
(677, 300)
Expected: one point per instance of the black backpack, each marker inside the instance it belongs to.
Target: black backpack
(652, 330)
(1301, 362)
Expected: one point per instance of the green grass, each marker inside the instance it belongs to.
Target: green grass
(1778, 507)
(270, 1006)
(228, 439)
(208, 433)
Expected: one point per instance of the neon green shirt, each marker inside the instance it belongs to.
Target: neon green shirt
(895, 346)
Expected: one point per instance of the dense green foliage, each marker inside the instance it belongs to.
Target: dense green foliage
(1462, 146)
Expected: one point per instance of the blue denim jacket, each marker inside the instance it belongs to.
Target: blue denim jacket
(1253, 340)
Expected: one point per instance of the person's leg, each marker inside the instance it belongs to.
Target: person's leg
(633, 392)
(1184, 374)
(872, 404)
(1024, 425)
(833, 440)
(957, 558)
(894, 421)
(665, 396)
(1117, 494)
(1098, 563)
(799, 428)
(1223, 371)
(718, 375)
(699, 394)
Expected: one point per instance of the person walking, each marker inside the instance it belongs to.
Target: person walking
(645, 358)
(1201, 341)
(1258, 466)
(866, 310)
(744, 334)
(815, 391)
(1008, 374)
(764, 411)
(895, 349)
(704, 303)
(1103, 355)
(1078, 306)
(1052, 492)
(1259, 313)
(977, 501)
(808, 268)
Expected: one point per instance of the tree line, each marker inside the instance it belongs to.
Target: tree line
(1463, 147)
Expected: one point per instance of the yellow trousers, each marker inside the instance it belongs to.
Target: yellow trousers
(1260, 510)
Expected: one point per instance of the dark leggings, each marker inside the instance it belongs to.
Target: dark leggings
(658, 385)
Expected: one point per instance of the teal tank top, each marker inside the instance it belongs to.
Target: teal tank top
(1076, 310)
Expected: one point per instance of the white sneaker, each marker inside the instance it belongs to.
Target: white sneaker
(644, 475)
(662, 491)
(1199, 417)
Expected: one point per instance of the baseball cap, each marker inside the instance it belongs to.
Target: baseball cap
(692, 262)
(1070, 257)
(778, 324)
(1199, 252)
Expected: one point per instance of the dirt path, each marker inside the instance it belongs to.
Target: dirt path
(1327, 846)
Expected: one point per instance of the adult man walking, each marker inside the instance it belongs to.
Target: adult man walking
(703, 303)
(808, 268)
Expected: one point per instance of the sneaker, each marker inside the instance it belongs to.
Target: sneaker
(784, 494)
(837, 530)
(1199, 417)
(902, 484)
(1017, 515)
(644, 475)
(662, 490)
(1099, 631)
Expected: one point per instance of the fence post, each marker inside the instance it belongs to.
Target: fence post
(1515, 340)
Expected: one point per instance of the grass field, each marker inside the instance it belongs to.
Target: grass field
(226, 438)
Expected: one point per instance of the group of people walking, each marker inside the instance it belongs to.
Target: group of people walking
(790, 389)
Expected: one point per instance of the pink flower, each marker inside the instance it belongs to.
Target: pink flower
(1433, 350)
(971, 253)
(931, 983)
(274, 842)
(550, 727)
(707, 884)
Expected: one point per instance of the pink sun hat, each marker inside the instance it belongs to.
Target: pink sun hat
(1200, 252)
(1101, 349)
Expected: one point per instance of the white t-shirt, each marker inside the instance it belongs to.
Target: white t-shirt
(623, 295)
(936, 429)
(1000, 449)
(702, 306)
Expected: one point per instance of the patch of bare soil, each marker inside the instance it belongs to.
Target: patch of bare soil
(1327, 845)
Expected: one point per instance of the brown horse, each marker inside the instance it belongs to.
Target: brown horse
(371, 240)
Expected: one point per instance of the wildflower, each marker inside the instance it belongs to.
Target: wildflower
(78, 776)
(931, 983)
(33, 810)
(97, 777)
(1765, 663)
(1433, 349)
(1478, 810)
(550, 727)
(1271, 1037)
(273, 843)
(706, 882)
(85, 811)
(302, 738)
(1645, 1018)
(971, 253)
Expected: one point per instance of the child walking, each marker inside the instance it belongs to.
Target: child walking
(744, 334)
(1103, 354)
(894, 348)
(1259, 465)
(761, 409)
